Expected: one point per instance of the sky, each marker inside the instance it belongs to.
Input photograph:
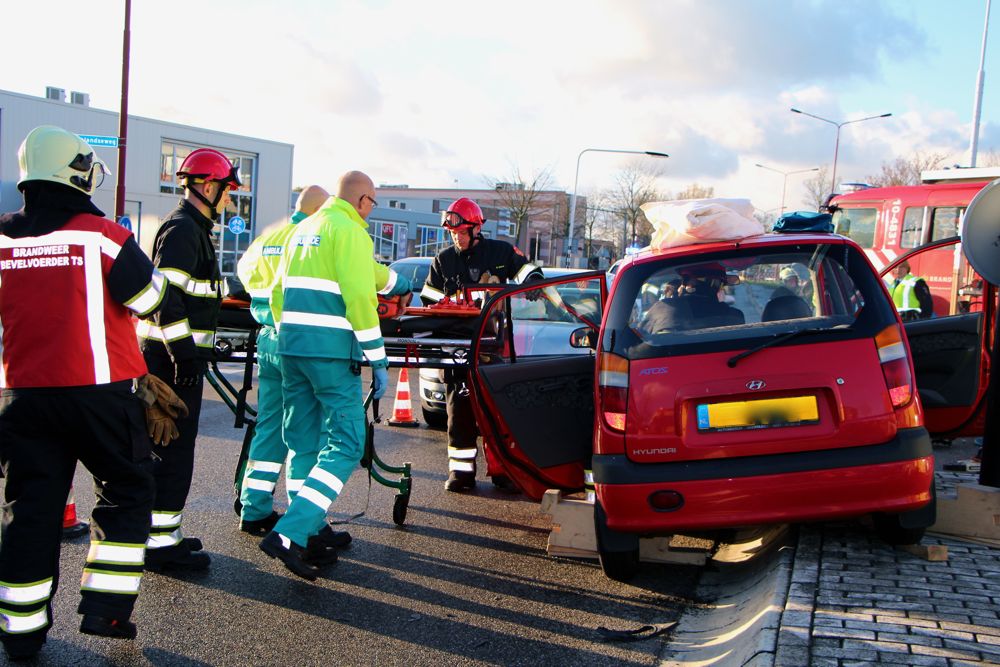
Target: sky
(436, 93)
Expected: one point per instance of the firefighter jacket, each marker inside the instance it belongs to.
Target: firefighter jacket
(451, 270)
(183, 251)
(69, 282)
(325, 292)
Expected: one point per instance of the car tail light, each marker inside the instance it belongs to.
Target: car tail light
(895, 365)
(612, 389)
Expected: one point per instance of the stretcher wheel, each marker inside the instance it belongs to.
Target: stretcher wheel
(399, 507)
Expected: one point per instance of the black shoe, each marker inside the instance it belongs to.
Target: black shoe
(22, 648)
(176, 558)
(192, 544)
(107, 627)
(318, 554)
(338, 539)
(460, 481)
(260, 527)
(291, 554)
(503, 484)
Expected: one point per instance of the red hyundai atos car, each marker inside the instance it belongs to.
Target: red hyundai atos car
(720, 392)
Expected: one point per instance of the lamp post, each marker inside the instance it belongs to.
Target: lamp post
(836, 145)
(576, 180)
(784, 182)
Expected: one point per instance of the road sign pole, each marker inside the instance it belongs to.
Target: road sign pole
(123, 116)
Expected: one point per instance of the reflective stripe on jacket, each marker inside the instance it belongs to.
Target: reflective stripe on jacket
(903, 294)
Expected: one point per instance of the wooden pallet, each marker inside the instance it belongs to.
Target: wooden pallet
(572, 535)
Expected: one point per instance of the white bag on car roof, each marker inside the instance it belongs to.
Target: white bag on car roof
(687, 221)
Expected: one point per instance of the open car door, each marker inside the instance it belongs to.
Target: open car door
(532, 380)
(951, 349)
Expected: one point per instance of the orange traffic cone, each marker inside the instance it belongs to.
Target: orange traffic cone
(71, 526)
(402, 409)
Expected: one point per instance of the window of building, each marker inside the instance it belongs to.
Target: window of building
(228, 246)
(389, 239)
(431, 240)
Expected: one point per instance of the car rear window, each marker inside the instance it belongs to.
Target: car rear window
(723, 301)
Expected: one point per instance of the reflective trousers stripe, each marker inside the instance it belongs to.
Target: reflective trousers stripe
(461, 466)
(38, 591)
(104, 581)
(13, 622)
(113, 552)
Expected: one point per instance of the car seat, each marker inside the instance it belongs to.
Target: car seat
(667, 315)
(788, 307)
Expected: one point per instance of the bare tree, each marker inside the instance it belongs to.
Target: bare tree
(905, 170)
(521, 195)
(695, 191)
(633, 188)
(988, 159)
(817, 189)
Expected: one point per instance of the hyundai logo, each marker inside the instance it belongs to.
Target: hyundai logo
(754, 385)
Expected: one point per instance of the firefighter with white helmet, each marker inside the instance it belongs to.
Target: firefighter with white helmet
(471, 260)
(70, 281)
(178, 342)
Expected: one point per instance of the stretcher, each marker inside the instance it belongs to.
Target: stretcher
(438, 336)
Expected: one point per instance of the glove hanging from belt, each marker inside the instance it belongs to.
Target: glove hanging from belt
(163, 406)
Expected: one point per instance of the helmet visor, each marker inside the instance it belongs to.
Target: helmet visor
(453, 220)
(94, 169)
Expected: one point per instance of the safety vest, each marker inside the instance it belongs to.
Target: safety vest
(62, 323)
(327, 283)
(903, 294)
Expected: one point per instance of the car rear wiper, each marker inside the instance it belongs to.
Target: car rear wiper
(778, 340)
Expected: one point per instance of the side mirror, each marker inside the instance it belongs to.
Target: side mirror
(583, 337)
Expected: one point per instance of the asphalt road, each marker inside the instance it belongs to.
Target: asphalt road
(466, 581)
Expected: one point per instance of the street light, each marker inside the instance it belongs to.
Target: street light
(576, 180)
(784, 182)
(836, 146)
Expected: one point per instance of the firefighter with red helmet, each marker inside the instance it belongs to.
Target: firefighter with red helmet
(70, 280)
(471, 260)
(178, 342)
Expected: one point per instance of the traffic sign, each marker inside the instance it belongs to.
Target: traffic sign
(237, 225)
(125, 222)
(97, 140)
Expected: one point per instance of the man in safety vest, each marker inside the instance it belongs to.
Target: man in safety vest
(326, 321)
(472, 260)
(911, 295)
(178, 342)
(70, 280)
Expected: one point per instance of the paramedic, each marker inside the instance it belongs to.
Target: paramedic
(911, 295)
(470, 261)
(327, 320)
(179, 341)
(69, 282)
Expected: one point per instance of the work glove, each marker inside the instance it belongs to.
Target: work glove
(380, 382)
(162, 428)
(151, 390)
(187, 373)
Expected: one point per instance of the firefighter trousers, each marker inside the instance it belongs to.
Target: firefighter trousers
(43, 433)
(173, 465)
(268, 451)
(462, 428)
(327, 393)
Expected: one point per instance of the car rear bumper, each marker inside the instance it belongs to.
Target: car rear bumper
(895, 476)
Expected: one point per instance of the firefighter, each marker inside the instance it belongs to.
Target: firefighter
(471, 260)
(69, 282)
(179, 341)
(327, 320)
(911, 295)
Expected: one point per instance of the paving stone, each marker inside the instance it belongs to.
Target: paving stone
(907, 621)
(943, 652)
(908, 638)
(941, 632)
(842, 633)
(847, 654)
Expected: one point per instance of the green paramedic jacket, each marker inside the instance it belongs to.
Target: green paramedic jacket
(324, 299)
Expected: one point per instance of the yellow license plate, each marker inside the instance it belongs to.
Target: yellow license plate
(766, 413)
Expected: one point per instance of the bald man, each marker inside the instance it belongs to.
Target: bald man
(328, 320)
(258, 270)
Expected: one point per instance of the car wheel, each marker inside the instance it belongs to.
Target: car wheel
(618, 552)
(434, 419)
(907, 527)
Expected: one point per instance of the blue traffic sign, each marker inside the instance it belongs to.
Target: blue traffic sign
(125, 222)
(97, 140)
(237, 225)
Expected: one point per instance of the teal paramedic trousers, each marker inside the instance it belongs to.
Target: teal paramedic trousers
(327, 392)
(267, 449)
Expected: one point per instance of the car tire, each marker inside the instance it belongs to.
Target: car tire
(907, 527)
(434, 419)
(618, 552)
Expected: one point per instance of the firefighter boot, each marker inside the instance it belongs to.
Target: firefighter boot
(503, 484)
(259, 527)
(178, 557)
(292, 555)
(23, 648)
(460, 481)
(107, 627)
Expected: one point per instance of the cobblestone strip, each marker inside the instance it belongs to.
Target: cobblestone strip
(795, 626)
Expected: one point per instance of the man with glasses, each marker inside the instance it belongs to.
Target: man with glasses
(472, 260)
(327, 320)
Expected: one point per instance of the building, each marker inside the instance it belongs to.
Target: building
(541, 236)
(155, 151)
